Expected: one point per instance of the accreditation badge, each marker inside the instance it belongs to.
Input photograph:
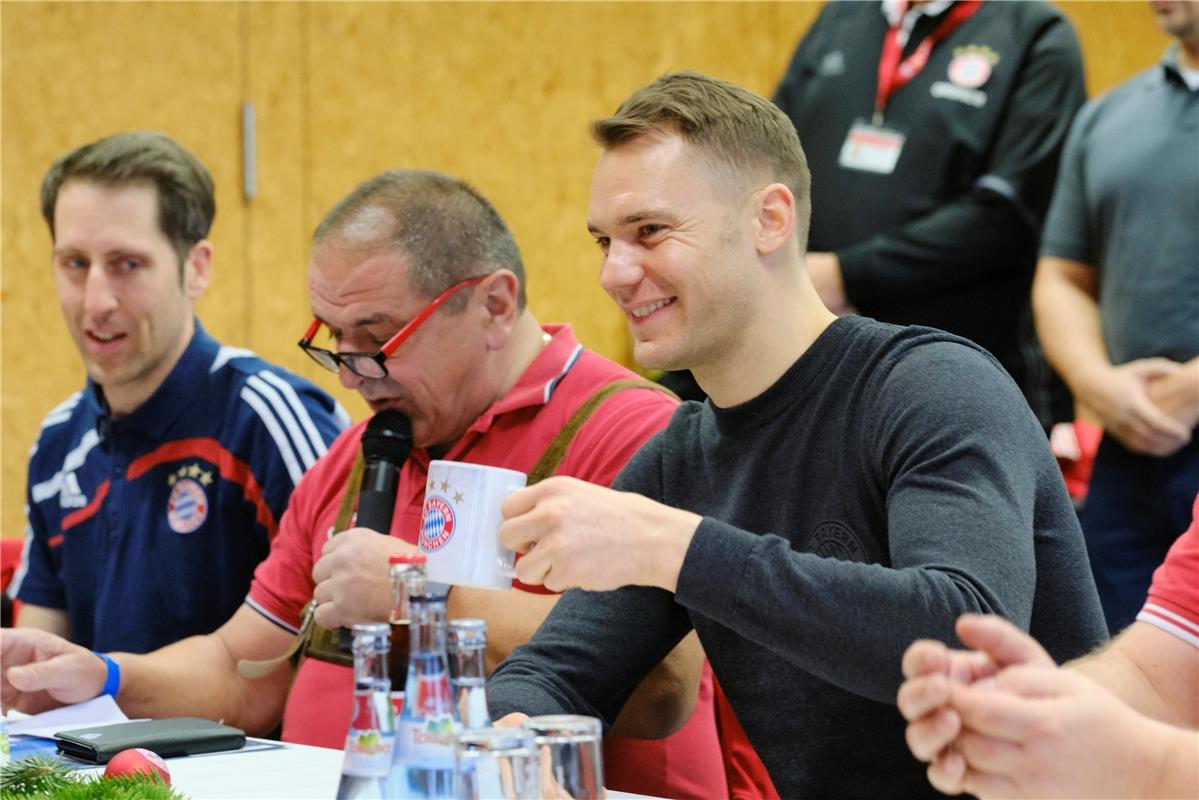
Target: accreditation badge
(871, 148)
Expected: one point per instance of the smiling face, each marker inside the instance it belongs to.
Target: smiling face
(119, 284)
(675, 245)
(439, 378)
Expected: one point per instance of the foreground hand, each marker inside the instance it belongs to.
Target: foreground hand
(43, 671)
(351, 576)
(1041, 731)
(577, 534)
(932, 670)
(513, 720)
(1126, 410)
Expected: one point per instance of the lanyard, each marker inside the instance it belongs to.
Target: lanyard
(893, 74)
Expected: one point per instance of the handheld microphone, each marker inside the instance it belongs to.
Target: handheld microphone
(386, 443)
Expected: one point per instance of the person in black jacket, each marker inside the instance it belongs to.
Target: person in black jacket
(932, 183)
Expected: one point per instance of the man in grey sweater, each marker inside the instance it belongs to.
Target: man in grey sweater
(850, 486)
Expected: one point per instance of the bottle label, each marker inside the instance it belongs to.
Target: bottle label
(368, 753)
(397, 704)
(427, 742)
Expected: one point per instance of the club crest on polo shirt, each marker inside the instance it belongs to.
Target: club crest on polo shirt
(187, 505)
(437, 523)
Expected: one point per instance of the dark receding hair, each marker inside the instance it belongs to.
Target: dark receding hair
(446, 230)
(746, 138)
(186, 205)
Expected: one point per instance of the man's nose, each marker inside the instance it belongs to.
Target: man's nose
(621, 268)
(99, 296)
(349, 379)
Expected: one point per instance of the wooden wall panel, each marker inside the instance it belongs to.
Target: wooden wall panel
(277, 229)
(500, 94)
(1119, 39)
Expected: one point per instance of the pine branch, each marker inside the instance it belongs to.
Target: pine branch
(41, 777)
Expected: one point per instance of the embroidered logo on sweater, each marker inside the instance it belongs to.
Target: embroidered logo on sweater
(833, 539)
(437, 523)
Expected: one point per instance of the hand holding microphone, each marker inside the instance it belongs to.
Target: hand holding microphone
(351, 575)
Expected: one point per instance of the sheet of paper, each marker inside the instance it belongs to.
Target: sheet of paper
(101, 710)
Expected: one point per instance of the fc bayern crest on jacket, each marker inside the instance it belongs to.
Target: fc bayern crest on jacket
(971, 65)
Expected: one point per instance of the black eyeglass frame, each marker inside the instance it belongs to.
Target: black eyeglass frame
(333, 361)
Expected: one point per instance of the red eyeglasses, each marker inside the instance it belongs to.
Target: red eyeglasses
(374, 365)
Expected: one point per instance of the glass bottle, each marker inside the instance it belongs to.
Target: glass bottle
(408, 577)
(371, 735)
(423, 766)
(467, 643)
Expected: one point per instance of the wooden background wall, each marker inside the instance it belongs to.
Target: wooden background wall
(497, 93)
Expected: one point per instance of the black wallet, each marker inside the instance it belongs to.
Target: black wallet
(178, 736)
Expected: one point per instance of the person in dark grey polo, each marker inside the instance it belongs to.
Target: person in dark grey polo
(1116, 299)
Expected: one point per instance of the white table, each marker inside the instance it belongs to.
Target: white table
(269, 770)
(284, 771)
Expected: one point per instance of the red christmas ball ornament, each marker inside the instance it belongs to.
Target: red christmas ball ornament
(138, 759)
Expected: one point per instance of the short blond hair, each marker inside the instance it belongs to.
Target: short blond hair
(746, 137)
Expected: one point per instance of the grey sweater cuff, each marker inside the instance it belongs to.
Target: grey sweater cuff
(711, 576)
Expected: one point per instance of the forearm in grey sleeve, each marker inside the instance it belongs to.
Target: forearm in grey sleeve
(594, 647)
(589, 654)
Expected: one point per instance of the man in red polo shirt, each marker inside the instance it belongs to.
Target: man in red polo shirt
(481, 381)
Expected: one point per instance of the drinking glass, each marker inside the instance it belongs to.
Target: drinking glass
(496, 763)
(571, 763)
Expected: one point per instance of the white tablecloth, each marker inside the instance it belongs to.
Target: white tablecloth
(268, 770)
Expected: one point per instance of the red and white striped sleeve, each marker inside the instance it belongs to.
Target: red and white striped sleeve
(1173, 602)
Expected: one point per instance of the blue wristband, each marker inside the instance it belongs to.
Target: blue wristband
(112, 683)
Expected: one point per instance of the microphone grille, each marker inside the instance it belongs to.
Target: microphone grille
(388, 436)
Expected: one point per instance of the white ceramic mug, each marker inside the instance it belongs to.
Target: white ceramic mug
(460, 523)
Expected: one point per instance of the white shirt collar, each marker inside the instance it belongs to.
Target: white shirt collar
(891, 10)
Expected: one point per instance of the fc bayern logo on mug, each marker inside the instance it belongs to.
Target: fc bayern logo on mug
(437, 523)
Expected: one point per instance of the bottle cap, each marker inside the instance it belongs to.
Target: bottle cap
(467, 624)
(467, 633)
(407, 558)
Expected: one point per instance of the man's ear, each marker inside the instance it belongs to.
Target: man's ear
(499, 292)
(774, 218)
(197, 269)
